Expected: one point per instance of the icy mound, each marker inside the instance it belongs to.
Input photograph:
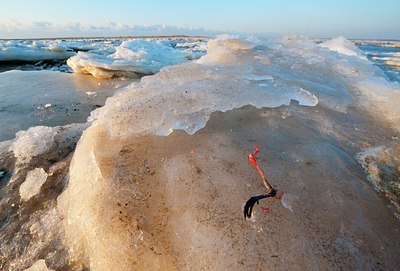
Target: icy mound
(31, 51)
(108, 161)
(343, 46)
(130, 58)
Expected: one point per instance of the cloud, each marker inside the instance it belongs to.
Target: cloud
(10, 25)
(42, 25)
(43, 29)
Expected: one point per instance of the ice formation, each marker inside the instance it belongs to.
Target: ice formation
(343, 46)
(33, 142)
(234, 73)
(34, 181)
(183, 96)
(31, 51)
(134, 57)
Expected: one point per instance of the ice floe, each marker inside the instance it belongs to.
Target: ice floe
(134, 57)
(31, 51)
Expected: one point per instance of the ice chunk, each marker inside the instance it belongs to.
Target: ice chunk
(227, 50)
(33, 182)
(130, 58)
(343, 46)
(40, 265)
(33, 142)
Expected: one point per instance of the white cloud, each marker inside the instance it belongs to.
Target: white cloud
(42, 29)
(42, 25)
(10, 25)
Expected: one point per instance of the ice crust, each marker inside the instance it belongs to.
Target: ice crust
(140, 56)
(34, 181)
(183, 96)
(33, 142)
(233, 74)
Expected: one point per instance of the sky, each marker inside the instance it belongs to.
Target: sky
(370, 19)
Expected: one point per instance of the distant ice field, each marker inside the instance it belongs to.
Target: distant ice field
(116, 57)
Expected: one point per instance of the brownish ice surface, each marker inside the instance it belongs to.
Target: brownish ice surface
(176, 202)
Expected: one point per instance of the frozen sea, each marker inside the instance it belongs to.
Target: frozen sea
(131, 154)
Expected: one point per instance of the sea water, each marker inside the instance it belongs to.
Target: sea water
(159, 176)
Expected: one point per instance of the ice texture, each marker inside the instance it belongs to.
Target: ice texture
(367, 158)
(33, 182)
(140, 57)
(33, 142)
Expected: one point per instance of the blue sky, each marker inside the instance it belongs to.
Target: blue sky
(313, 18)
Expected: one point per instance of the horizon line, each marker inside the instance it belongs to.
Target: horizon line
(171, 36)
(110, 37)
